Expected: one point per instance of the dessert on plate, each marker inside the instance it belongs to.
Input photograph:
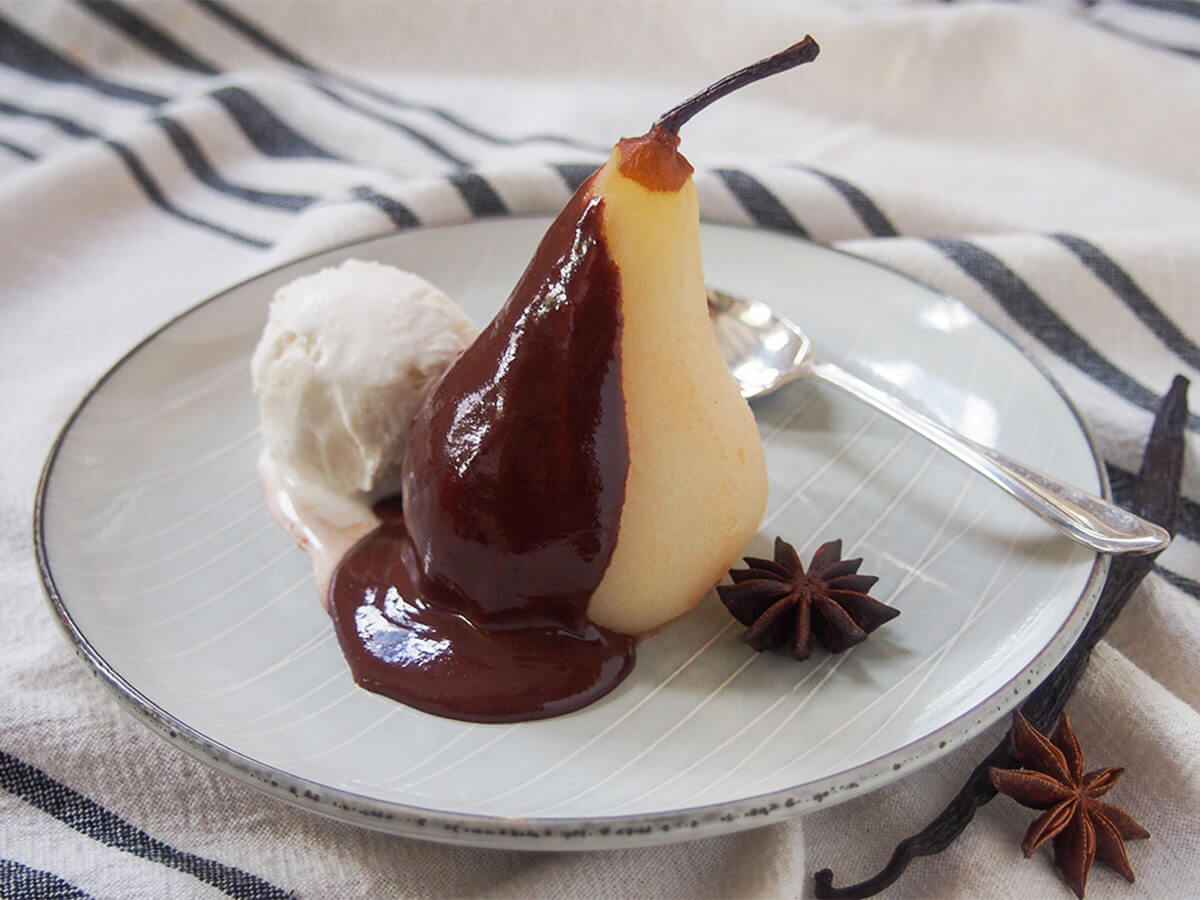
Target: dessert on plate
(581, 473)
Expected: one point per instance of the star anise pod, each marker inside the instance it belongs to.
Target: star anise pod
(784, 604)
(1081, 826)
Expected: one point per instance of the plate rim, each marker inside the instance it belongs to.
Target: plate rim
(563, 832)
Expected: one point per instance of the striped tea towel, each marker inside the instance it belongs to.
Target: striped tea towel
(1038, 161)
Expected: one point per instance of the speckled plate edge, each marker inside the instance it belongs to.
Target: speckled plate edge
(551, 833)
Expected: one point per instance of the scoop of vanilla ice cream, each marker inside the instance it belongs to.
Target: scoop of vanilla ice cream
(343, 363)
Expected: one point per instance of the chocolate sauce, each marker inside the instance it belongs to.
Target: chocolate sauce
(473, 604)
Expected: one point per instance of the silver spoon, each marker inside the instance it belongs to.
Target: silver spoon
(765, 351)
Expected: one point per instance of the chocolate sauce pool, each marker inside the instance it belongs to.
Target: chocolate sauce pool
(472, 604)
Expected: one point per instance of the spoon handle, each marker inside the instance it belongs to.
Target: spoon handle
(1093, 522)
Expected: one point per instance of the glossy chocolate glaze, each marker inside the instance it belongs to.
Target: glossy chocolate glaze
(473, 604)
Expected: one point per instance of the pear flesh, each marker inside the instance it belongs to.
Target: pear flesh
(696, 484)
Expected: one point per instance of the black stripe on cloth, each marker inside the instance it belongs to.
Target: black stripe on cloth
(158, 198)
(65, 125)
(1130, 293)
(270, 134)
(252, 31)
(16, 150)
(423, 139)
(258, 36)
(88, 817)
(451, 119)
(1032, 313)
(466, 127)
(480, 196)
(249, 112)
(401, 215)
(139, 172)
(868, 212)
(148, 35)
(1185, 584)
(574, 174)
(1188, 8)
(1131, 35)
(762, 206)
(20, 51)
(265, 129)
(200, 165)
(21, 882)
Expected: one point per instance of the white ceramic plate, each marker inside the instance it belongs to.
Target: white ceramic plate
(167, 572)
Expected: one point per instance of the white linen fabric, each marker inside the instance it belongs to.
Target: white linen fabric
(1037, 161)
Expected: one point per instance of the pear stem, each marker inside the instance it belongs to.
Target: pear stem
(795, 55)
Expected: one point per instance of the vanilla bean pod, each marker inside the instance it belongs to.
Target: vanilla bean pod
(1155, 497)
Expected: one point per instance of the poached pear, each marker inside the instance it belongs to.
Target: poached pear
(587, 470)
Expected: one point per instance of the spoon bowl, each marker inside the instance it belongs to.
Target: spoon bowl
(765, 351)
